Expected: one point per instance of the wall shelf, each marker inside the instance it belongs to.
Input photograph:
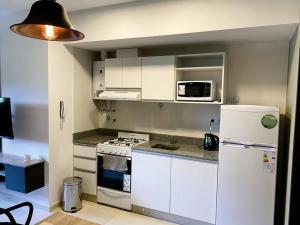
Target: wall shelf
(203, 66)
(200, 68)
(201, 103)
(209, 54)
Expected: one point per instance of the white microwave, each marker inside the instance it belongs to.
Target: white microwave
(203, 90)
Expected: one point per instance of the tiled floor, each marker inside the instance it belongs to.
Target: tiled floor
(94, 212)
(21, 214)
(105, 215)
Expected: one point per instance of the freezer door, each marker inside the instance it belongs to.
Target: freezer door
(250, 125)
(246, 186)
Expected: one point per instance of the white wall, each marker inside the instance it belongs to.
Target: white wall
(257, 74)
(85, 112)
(166, 17)
(176, 119)
(24, 78)
(291, 110)
(60, 79)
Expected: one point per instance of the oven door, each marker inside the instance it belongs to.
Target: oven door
(113, 179)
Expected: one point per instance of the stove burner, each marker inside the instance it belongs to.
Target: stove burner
(128, 142)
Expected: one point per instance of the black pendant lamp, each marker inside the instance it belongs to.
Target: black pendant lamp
(47, 20)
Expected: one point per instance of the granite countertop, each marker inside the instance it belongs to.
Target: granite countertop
(189, 147)
(192, 151)
(92, 140)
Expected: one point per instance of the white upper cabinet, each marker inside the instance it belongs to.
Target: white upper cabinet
(158, 78)
(151, 181)
(132, 72)
(113, 73)
(194, 189)
(123, 73)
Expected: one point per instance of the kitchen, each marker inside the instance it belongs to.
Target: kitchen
(252, 67)
(161, 166)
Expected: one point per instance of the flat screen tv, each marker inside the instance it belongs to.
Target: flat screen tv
(6, 128)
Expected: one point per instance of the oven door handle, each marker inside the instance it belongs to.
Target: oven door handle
(112, 193)
(128, 158)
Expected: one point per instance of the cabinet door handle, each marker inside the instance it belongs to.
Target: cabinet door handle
(85, 171)
(84, 157)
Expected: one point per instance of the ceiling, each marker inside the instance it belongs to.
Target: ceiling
(8, 6)
(254, 34)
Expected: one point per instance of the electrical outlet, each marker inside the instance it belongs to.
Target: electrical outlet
(214, 120)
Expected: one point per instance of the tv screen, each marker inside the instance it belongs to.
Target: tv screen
(6, 129)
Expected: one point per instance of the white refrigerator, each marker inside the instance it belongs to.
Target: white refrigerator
(247, 165)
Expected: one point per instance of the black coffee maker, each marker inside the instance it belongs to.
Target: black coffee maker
(211, 141)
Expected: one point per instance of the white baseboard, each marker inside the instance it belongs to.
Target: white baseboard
(55, 206)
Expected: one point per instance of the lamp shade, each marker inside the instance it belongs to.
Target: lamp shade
(47, 20)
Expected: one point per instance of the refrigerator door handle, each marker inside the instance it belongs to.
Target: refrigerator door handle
(227, 143)
(265, 149)
(249, 147)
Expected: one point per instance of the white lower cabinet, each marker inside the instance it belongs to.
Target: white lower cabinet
(89, 181)
(180, 186)
(194, 189)
(151, 181)
(85, 151)
(85, 166)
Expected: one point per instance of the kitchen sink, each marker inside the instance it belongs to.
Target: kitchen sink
(166, 147)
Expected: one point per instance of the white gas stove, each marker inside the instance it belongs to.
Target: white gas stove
(123, 144)
(114, 169)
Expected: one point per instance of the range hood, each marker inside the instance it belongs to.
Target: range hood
(120, 95)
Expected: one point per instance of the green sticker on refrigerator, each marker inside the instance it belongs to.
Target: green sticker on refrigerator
(269, 121)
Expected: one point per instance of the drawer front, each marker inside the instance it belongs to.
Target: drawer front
(114, 198)
(89, 181)
(85, 151)
(85, 164)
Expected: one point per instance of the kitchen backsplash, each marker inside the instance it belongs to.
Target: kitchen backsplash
(166, 118)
